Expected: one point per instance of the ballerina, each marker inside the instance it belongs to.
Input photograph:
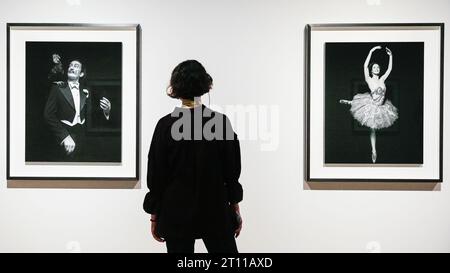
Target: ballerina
(372, 109)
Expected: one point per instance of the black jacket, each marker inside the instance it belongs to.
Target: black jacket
(193, 181)
(60, 106)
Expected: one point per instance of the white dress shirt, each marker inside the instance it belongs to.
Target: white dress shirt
(75, 90)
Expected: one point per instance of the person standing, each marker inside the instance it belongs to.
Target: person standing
(194, 178)
(65, 113)
(372, 109)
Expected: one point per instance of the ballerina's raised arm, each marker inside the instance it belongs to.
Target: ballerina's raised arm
(366, 63)
(389, 69)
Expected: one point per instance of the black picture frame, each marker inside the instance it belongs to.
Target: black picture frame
(133, 173)
(308, 111)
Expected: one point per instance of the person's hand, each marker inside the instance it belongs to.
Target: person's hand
(237, 231)
(105, 104)
(56, 58)
(375, 48)
(388, 51)
(153, 230)
(59, 83)
(69, 144)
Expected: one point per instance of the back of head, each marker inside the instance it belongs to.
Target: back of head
(189, 79)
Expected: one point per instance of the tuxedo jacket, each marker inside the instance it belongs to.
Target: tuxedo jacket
(60, 106)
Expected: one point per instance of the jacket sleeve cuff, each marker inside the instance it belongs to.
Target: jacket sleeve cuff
(235, 192)
(151, 205)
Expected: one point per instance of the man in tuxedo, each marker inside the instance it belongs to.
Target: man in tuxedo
(65, 113)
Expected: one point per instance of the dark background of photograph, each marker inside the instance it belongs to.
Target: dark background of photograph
(346, 141)
(103, 62)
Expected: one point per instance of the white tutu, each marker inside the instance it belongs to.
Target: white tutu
(371, 113)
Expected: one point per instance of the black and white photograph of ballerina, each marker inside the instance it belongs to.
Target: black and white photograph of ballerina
(373, 109)
(374, 103)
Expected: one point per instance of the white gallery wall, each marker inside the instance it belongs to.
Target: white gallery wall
(254, 51)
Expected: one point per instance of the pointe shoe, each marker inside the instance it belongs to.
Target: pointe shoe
(374, 157)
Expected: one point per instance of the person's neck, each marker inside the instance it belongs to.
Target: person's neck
(375, 77)
(188, 103)
(73, 81)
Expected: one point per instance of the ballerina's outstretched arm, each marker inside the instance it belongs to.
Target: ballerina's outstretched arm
(366, 63)
(389, 69)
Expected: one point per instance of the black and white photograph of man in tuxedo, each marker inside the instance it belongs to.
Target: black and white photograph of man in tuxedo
(78, 118)
(65, 112)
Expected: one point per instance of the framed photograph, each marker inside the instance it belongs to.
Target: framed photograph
(374, 102)
(73, 101)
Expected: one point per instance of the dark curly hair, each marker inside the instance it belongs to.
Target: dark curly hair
(189, 79)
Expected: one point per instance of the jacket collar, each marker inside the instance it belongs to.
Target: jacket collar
(65, 90)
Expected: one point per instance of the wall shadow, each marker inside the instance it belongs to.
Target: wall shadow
(73, 184)
(372, 186)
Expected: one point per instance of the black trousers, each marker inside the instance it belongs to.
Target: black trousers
(213, 245)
